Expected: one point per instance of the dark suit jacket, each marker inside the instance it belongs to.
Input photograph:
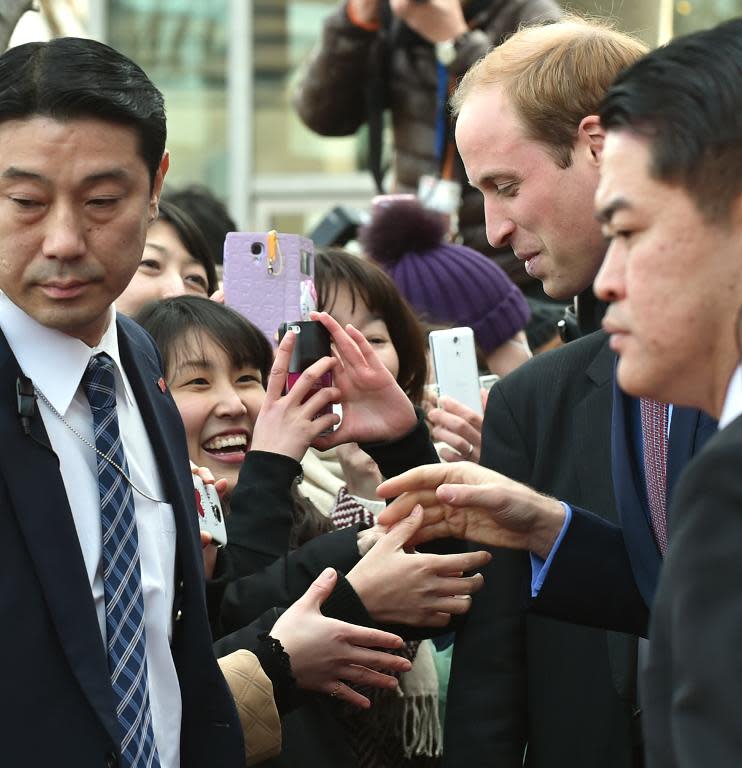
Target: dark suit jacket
(567, 691)
(605, 575)
(58, 706)
(692, 691)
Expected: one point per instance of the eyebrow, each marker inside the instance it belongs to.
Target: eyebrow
(201, 363)
(111, 174)
(156, 246)
(605, 214)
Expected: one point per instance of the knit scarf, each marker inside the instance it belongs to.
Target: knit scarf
(402, 728)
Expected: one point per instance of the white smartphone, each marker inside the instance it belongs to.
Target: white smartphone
(455, 365)
(209, 508)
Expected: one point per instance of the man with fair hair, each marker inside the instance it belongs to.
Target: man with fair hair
(531, 141)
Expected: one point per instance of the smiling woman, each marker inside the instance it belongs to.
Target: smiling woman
(216, 366)
(176, 261)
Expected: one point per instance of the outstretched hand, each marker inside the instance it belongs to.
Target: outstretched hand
(327, 654)
(417, 589)
(465, 501)
(374, 405)
(289, 423)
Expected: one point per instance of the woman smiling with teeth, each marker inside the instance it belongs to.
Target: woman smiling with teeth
(217, 366)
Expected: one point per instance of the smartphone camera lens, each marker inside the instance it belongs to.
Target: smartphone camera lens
(256, 248)
(455, 339)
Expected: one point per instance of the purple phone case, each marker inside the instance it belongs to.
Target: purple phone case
(266, 299)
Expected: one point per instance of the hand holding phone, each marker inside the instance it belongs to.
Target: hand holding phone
(455, 363)
(297, 408)
(209, 509)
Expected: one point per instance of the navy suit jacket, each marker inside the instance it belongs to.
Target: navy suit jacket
(605, 574)
(58, 706)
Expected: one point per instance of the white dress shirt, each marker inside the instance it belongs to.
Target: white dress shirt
(733, 400)
(55, 363)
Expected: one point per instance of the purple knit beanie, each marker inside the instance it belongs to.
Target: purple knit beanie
(446, 283)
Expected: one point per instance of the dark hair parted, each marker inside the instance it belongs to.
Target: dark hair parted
(70, 78)
(367, 282)
(686, 99)
(191, 237)
(175, 323)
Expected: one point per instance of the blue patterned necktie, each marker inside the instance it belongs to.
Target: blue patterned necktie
(122, 578)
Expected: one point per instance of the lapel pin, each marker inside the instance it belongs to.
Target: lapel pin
(161, 384)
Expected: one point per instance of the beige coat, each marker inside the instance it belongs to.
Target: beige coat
(253, 695)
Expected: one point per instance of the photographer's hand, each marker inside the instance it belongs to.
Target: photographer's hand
(435, 20)
(364, 12)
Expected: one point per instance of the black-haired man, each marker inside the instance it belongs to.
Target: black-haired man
(670, 198)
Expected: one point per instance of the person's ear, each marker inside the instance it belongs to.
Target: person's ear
(590, 138)
(157, 186)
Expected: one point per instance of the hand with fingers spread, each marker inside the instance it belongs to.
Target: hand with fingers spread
(458, 426)
(374, 406)
(465, 501)
(415, 588)
(327, 655)
(290, 423)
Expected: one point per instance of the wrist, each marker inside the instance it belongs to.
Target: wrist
(451, 31)
(276, 663)
(547, 525)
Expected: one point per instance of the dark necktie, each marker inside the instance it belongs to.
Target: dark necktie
(122, 578)
(654, 443)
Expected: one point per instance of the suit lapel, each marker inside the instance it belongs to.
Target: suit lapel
(593, 456)
(689, 431)
(39, 501)
(593, 429)
(166, 434)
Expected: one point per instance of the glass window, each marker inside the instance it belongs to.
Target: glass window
(182, 45)
(694, 15)
(285, 33)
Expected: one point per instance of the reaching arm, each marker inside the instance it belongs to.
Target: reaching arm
(331, 96)
(325, 653)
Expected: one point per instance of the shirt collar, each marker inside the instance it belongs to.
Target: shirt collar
(733, 400)
(54, 361)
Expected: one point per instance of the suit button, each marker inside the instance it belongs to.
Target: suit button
(111, 760)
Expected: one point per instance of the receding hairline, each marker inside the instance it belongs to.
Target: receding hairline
(529, 42)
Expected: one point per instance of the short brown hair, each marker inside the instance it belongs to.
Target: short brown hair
(554, 75)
